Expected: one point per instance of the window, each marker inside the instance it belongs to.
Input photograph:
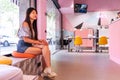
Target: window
(9, 24)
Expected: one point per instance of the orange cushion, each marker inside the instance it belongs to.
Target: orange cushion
(22, 55)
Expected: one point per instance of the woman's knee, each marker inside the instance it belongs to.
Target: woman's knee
(46, 47)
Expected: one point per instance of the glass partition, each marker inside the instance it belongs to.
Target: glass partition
(53, 26)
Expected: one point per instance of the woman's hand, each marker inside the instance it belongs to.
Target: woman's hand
(43, 42)
(38, 42)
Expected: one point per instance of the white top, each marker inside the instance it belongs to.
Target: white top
(25, 31)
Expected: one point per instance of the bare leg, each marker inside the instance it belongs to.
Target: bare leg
(46, 55)
(41, 49)
(44, 50)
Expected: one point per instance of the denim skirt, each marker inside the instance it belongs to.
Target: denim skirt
(22, 46)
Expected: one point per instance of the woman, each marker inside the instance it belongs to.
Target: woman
(118, 15)
(28, 42)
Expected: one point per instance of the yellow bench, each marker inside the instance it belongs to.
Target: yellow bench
(5, 60)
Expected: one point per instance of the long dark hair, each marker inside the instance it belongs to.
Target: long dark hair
(27, 19)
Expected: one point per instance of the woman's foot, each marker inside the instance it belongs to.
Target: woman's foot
(48, 72)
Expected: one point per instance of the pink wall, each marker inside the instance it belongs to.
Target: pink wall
(90, 19)
(114, 41)
(67, 25)
(41, 7)
(93, 5)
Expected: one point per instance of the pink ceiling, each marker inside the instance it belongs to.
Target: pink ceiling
(93, 5)
(65, 3)
(66, 6)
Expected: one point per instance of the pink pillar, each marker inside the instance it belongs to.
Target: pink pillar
(114, 41)
(41, 21)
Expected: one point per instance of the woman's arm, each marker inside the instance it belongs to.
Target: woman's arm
(44, 42)
(32, 41)
(26, 36)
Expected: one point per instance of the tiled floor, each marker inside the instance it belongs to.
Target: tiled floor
(84, 66)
